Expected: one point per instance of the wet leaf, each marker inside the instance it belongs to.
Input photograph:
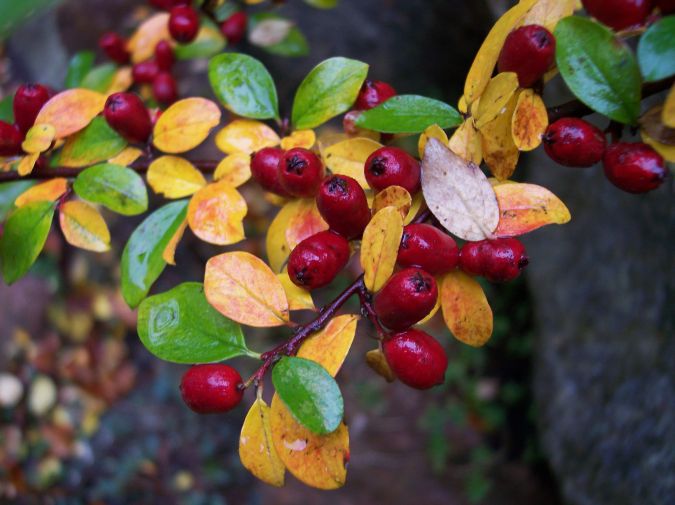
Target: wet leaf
(185, 125)
(142, 43)
(393, 196)
(299, 138)
(656, 50)
(246, 136)
(529, 121)
(71, 110)
(118, 188)
(499, 150)
(409, 114)
(379, 247)
(348, 157)
(466, 310)
(216, 214)
(330, 346)
(256, 448)
(48, 191)
(235, 169)
(39, 138)
(466, 143)
(497, 94)
(84, 227)
(97, 142)
(434, 131)
(298, 298)
(174, 177)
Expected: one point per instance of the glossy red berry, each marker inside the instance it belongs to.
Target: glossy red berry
(127, 115)
(665, 6)
(349, 122)
(498, 260)
(619, 14)
(234, 27)
(28, 100)
(265, 169)
(300, 172)
(316, 261)
(416, 358)
(183, 23)
(406, 298)
(634, 167)
(528, 51)
(164, 88)
(164, 55)
(427, 247)
(10, 139)
(169, 4)
(391, 166)
(574, 142)
(114, 47)
(372, 94)
(343, 205)
(208, 389)
(145, 72)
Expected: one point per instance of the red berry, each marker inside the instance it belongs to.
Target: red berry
(115, 47)
(665, 6)
(528, 51)
(164, 88)
(145, 72)
(373, 93)
(28, 100)
(574, 142)
(164, 55)
(349, 122)
(10, 139)
(316, 261)
(634, 167)
(183, 23)
(416, 358)
(619, 14)
(169, 4)
(234, 27)
(406, 298)
(265, 169)
(498, 260)
(208, 389)
(127, 115)
(343, 204)
(391, 166)
(300, 172)
(427, 247)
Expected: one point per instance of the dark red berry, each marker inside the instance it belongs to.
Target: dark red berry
(300, 172)
(406, 298)
(164, 88)
(234, 27)
(316, 261)
(127, 115)
(619, 14)
(574, 142)
(164, 55)
(183, 24)
(373, 93)
(634, 167)
(391, 166)
(169, 4)
(343, 205)
(115, 47)
(145, 72)
(528, 51)
(416, 358)
(265, 169)
(208, 389)
(665, 6)
(28, 100)
(498, 260)
(349, 122)
(10, 139)
(427, 247)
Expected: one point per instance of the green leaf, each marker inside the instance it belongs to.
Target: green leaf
(24, 237)
(225, 10)
(180, 326)
(9, 191)
(79, 66)
(244, 86)
(142, 261)
(328, 90)
(598, 68)
(322, 4)
(116, 187)
(97, 142)
(99, 78)
(294, 44)
(409, 114)
(310, 393)
(656, 50)
(7, 109)
(209, 41)
(14, 13)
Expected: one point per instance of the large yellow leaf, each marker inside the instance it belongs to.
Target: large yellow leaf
(174, 177)
(529, 121)
(498, 92)
(466, 310)
(330, 346)
(84, 227)
(256, 449)
(243, 288)
(142, 43)
(234, 168)
(379, 247)
(499, 150)
(349, 157)
(466, 142)
(185, 125)
(49, 190)
(216, 214)
(393, 196)
(304, 222)
(547, 13)
(433, 131)
(299, 138)
(298, 298)
(246, 136)
(71, 110)
(39, 138)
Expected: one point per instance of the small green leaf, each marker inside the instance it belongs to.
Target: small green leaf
(24, 237)
(409, 114)
(209, 41)
(328, 90)
(142, 261)
(9, 191)
(322, 4)
(7, 109)
(116, 187)
(244, 86)
(225, 10)
(598, 68)
(293, 45)
(79, 66)
(310, 393)
(99, 78)
(656, 50)
(97, 142)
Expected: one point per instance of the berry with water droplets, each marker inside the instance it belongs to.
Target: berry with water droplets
(498, 260)
(343, 205)
(406, 298)
(529, 51)
(573, 142)
(634, 167)
(316, 261)
(212, 388)
(300, 172)
(416, 358)
(265, 169)
(391, 166)
(427, 247)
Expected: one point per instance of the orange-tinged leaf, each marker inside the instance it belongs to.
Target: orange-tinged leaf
(379, 247)
(499, 150)
(38, 138)
(234, 168)
(304, 222)
(529, 121)
(242, 287)
(330, 346)
(256, 449)
(299, 138)
(142, 43)
(185, 125)
(349, 156)
(71, 110)
(547, 13)
(126, 157)
(378, 363)
(298, 298)
(433, 131)
(216, 214)
(27, 164)
(665, 150)
(466, 142)
(668, 112)
(174, 177)
(169, 253)
(393, 196)
(49, 190)
(466, 310)
(498, 92)
(83, 226)
(246, 136)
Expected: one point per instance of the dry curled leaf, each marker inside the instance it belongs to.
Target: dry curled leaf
(466, 310)
(466, 143)
(330, 346)
(379, 247)
(498, 92)
(499, 150)
(529, 121)
(185, 125)
(216, 214)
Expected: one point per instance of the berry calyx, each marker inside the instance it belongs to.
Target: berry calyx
(213, 388)
(372, 94)
(528, 51)
(634, 167)
(265, 169)
(343, 205)
(10, 139)
(145, 72)
(114, 47)
(300, 172)
(183, 23)
(28, 100)
(406, 298)
(316, 261)
(573, 142)
(427, 247)
(127, 115)
(416, 358)
(498, 260)
(619, 14)
(164, 88)
(391, 166)
(164, 55)
(234, 27)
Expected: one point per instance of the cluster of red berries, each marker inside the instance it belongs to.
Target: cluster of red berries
(622, 14)
(28, 100)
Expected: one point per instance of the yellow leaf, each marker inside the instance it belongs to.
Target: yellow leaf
(393, 196)
(499, 151)
(142, 43)
(665, 150)
(466, 310)
(83, 226)
(529, 121)
(174, 177)
(169, 253)
(668, 112)
(330, 346)
(378, 363)
(126, 157)
(433, 131)
(256, 449)
(319, 461)
(27, 164)
(299, 138)
(417, 203)
(185, 125)
(234, 168)
(276, 245)
(379, 247)
(39, 138)
(304, 222)
(298, 298)
(71, 110)
(216, 214)
(466, 143)
(50, 191)
(349, 156)
(242, 287)
(497, 94)
(547, 13)
(246, 136)
(122, 81)
(435, 310)
(462, 106)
